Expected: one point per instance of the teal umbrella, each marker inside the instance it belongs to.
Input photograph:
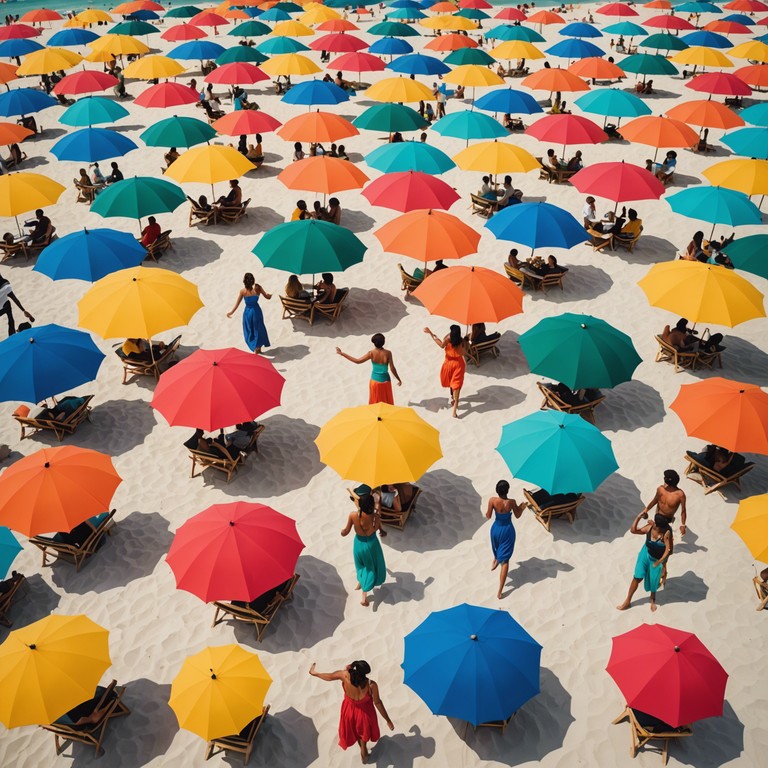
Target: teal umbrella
(506, 32)
(241, 53)
(757, 114)
(9, 548)
(183, 12)
(92, 110)
(749, 142)
(308, 246)
(648, 64)
(250, 28)
(715, 205)
(275, 46)
(559, 452)
(750, 254)
(406, 14)
(612, 102)
(626, 28)
(580, 351)
(463, 56)
(390, 118)
(468, 124)
(393, 29)
(134, 28)
(178, 132)
(409, 156)
(472, 13)
(138, 197)
(663, 41)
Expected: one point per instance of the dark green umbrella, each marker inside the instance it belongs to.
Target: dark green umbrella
(178, 132)
(648, 64)
(138, 197)
(250, 28)
(663, 41)
(463, 56)
(750, 254)
(241, 53)
(390, 118)
(134, 28)
(183, 12)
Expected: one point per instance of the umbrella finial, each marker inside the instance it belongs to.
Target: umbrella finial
(742, 391)
(562, 426)
(213, 674)
(31, 339)
(32, 647)
(231, 522)
(677, 649)
(135, 280)
(214, 363)
(583, 325)
(378, 418)
(47, 464)
(473, 637)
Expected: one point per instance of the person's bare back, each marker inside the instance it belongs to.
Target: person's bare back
(669, 500)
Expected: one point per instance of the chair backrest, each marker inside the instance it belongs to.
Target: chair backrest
(295, 305)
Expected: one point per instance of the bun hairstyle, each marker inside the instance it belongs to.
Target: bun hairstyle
(378, 340)
(502, 488)
(358, 673)
(661, 522)
(455, 336)
(249, 281)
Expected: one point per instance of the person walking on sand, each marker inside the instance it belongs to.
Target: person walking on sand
(358, 723)
(254, 330)
(667, 500)
(652, 557)
(502, 530)
(454, 365)
(367, 552)
(380, 385)
(6, 297)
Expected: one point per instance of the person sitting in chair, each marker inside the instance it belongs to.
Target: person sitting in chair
(256, 153)
(326, 290)
(220, 446)
(150, 233)
(665, 170)
(681, 337)
(170, 156)
(575, 163)
(479, 336)
(42, 229)
(116, 175)
(234, 197)
(138, 350)
(631, 229)
(15, 157)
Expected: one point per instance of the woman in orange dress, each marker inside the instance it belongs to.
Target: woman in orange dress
(380, 385)
(454, 365)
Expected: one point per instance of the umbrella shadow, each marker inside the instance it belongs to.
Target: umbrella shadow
(510, 362)
(106, 432)
(492, 398)
(657, 93)
(191, 252)
(266, 170)
(399, 588)
(633, 405)
(446, 515)
(264, 218)
(538, 728)
(35, 601)
(582, 282)
(134, 549)
(534, 570)
(716, 741)
(401, 751)
(35, 162)
(129, 128)
(649, 250)
(287, 738)
(752, 362)
(357, 221)
(50, 133)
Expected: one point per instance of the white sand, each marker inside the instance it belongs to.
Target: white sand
(564, 584)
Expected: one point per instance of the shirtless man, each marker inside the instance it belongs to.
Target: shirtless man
(668, 499)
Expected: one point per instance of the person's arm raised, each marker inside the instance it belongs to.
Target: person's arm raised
(327, 676)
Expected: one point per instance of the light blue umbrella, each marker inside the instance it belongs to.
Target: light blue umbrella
(92, 144)
(506, 32)
(508, 101)
(581, 29)
(24, 101)
(626, 28)
(275, 46)
(757, 114)
(18, 46)
(412, 4)
(406, 14)
(275, 14)
(390, 46)
(663, 41)
(9, 548)
(467, 124)
(71, 38)
(418, 64)
(716, 205)
(706, 39)
(574, 48)
(612, 102)
(312, 92)
(697, 8)
(409, 156)
(92, 110)
(196, 49)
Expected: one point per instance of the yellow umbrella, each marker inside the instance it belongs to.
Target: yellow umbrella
(292, 29)
(92, 16)
(516, 49)
(153, 68)
(99, 56)
(701, 56)
(22, 192)
(496, 157)
(209, 164)
(399, 90)
(120, 45)
(379, 443)
(138, 303)
(49, 667)
(48, 60)
(742, 174)
(289, 64)
(452, 23)
(751, 524)
(473, 76)
(754, 50)
(219, 691)
(703, 293)
(317, 14)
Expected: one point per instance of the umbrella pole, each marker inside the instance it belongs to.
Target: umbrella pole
(18, 225)
(712, 232)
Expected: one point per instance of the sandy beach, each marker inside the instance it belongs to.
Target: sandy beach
(563, 586)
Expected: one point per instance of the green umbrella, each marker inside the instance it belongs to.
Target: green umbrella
(308, 246)
(183, 12)
(241, 53)
(250, 28)
(134, 28)
(390, 118)
(178, 132)
(274, 46)
(648, 64)
(463, 56)
(580, 351)
(506, 32)
(663, 41)
(92, 110)
(750, 254)
(138, 197)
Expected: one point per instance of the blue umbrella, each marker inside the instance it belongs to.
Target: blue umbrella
(508, 101)
(19, 46)
(45, 361)
(252, 12)
(92, 144)
(312, 92)
(580, 29)
(762, 38)
(626, 28)
(274, 46)
(757, 114)
(506, 32)
(90, 255)
(142, 15)
(390, 46)
(715, 205)
(418, 64)
(409, 156)
(275, 14)
(412, 4)
(476, 664)
(9, 548)
(706, 39)
(559, 452)
(739, 18)
(91, 110)
(196, 49)
(613, 102)
(24, 101)
(574, 48)
(537, 225)
(70, 38)
(467, 125)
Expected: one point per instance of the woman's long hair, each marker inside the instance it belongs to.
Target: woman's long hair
(455, 336)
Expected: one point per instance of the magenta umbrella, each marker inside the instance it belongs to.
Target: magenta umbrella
(619, 182)
(410, 191)
(567, 130)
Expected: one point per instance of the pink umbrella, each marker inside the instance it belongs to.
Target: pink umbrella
(478, 5)
(721, 83)
(357, 62)
(180, 32)
(236, 73)
(617, 9)
(668, 22)
(87, 81)
(246, 121)
(510, 14)
(165, 95)
(619, 182)
(338, 43)
(567, 130)
(410, 191)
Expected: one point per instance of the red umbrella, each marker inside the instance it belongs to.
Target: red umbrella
(208, 19)
(235, 551)
(216, 388)
(567, 130)
(16, 31)
(619, 182)
(167, 95)
(236, 73)
(246, 121)
(338, 43)
(357, 62)
(667, 673)
(617, 9)
(668, 22)
(410, 191)
(180, 32)
(478, 5)
(720, 83)
(510, 14)
(87, 81)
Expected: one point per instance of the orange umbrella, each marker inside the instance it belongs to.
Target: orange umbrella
(56, 489)
(728, 413)
(323, 174)
(12, 133)
(7, 73)
(595, 67)
(470, 295)
(657, 131)
(317, 127)
(443, 7)
(755, 75)
(705, 114)
(546, 17)
(451, 42)
(659, 5)
(337, 25)
(39, 15)
(554, 79)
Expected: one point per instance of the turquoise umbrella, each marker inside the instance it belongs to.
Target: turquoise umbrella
(242, 53)
(393, 29)
(468, 124)
(91, 110)
(134, 28)
(275, 14)
(138, 197)
(580, 351)
(463, 56)
(757, 114)
(506, 32)
(406, 14)
(183, 12)
(626, 28)
(178, 132)
(409, 156)
(250, 28)
(559, 452)
(750, 142)
(275, 46)
(472, 13)
(648, 64)
(389, 118)
(715, 205)
(663, 41)
(750, 254)
(612, 102)
(9, 548)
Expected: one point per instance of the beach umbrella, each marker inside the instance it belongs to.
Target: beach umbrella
(182, 12)
(597, 68)
(409, 156)
(22, 192)
(400, 90)
(574, 48)
(405, 14)
(196, 50)
(291, 28)
(473, 76)
(13, 133)
(87, 81)
(428, 236)
(164, 95)
(553, 80)
(138, 303)
(750, 142)
(508, 101)
(720, 83)
(626, 28)
(357, 62)
(475, 664)
(153, 68)
(410, 190)
(319, 15)
(702, 57)
(620, 182)
(317, 127)
(659, 132)
(335, 25)
(315, 92)
(182, 32)
(388, 118)
(91, 145)
(418, 64)
(668, 674)
(617, 9)
(754, 50)
(449, 42)
(716, 205)
(18, 47)
(56, 489)
(49, 667)
(18, 32)
(731, 414)
(509, 33)
(119, 45)
(392, 46)
(235, 551)
(510, 14)
(612, 102)
(464, 56)
(9, 548)
(703, 37)
(275, 46)
(71, 38)
(663, 41)
(7, 73)
(290, 64)
(178, 132)
(559, 452)
(747, 176)
(648, 64)
(245, 121)
(48, 60)
(24, 101)
(137, 197)
(447, 22)
(749, 254)
(328, 175)
(213, 389)
(703, 293)
(755, 75)
(89, 255)
(705, 113)
(751, 525)
(580, 29)
(580, 351)
(380, 443)
(537, 225)
(236, 73)
(545, 18)
(218, 691)
(728, 27)
(275, 14)
(309, 246)
(134, 27)
(517, 49)
(468, 124)
(338, 43)
(496, 157)
(567, 130)
(90, 16)
(669, 23)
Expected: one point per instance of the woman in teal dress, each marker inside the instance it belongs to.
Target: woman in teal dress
(380, 385)
(502, 530)
(369, 558)
(254, 330)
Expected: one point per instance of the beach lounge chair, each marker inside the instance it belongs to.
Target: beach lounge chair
(12, 250)
(162, 244)
(66, 425)
(50, 236)
(409, 282)
(519, 277)
(54, 549)
(389, 516)
(331, 311)
(713, 481)
(232, 214)
(86, 193)
(761, 587)
(475, 351)
(225, 464)
(711, 358)
(553, 400)
(501, 724)
(198, 215)
(546, 506)
(110, 700)
(641, 735)
(7, 598)
(544, 282)
(626, 242)
(545, 172)
(600, 240)
(297, 309)
(241, 742)
(259, 612)
(153, 367)
(483, 206)
(669, 354)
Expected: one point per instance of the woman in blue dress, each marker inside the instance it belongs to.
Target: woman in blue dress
(254, 330)
(502, 530)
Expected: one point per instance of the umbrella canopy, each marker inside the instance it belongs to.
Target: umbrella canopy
(702, 57)
(473, 76)
(13, 133)
(409, 156)
(153, 68)
(659, 132)
(44, 361)
(612, 102)
(18, 47)
(574, 48)
(751, 524)
(418, 64)
(410, 190)
(620, 182)
(119, 45)
(468, 124)
(87, 81)
(138, 197)
(755, 75)
(357, 62)
(9, 548)
(290, 64)
(213, 389)
(580, 351)
(567, 130)
(317, 127)
(48, 60)
(92, 110)
(181, 32)
(243, 53)
(450, 42)
(554, 79)
(24, 101)
(581, 29)
(400, 90)
(315, 92)
(731, 414)
(626, 28)
(376, 444)
(389, 118)
(236, 551)
(508, 101)
(706, 114)
(648, 64)
(750, 142)
(663, 41)
(209, 164)
(468, 56)
(720, 83)
(245, 121)
(496, 157)
(757, 114)
(22, 192)
(597, 68)
(92, 144)
(667, 673)
(56, 489)
(537, 225)
(236, 73)
(560, 452)
(716, 205)
(517, 49)
(748, 254)
(741, 175)
(322, 174)
(703, 293)
(196, 50)
(138, 303)
(472, 663)
(165, 95)
(219, 691)
(393, 46)
(178, 132)
(49, 667)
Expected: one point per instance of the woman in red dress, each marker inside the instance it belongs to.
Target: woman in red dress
(454, 365)
(358, 723)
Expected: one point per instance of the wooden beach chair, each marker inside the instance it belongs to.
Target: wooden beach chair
(242, 742)
(53, 549)
(198, 215)
(389, 516)
(555, 402)
(31, 425)
(86, 193)
(669, 354)
(500, 724)
(148, 367)
(626, 242)
(761, 588)
(712, 358)
(297, 309)
(545, 172)
(332, 311)
(641, 735)
(600, 240)
(482, 206)
(546, 506)
(475, 351)
(92, 734)
(162, 244)
(233, 213)
(545, 282)
(519, 277)
(50, 236)
(12, 250)
(713, 481)
(7, 599)
(409, 282)
(221, 463)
